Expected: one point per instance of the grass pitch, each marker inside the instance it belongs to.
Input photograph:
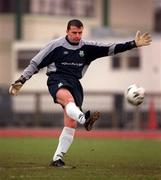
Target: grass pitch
(95, 159)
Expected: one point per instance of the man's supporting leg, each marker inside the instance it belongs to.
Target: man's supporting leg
(65, 141)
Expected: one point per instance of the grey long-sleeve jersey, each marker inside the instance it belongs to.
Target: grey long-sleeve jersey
(60, 56)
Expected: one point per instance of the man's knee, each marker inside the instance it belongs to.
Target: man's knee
(64, 96)
(70, 123)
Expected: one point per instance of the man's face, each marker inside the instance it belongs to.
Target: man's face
(74, 34)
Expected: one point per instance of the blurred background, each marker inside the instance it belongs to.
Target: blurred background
(27, 25)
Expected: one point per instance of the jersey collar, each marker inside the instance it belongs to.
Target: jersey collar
(72, 43)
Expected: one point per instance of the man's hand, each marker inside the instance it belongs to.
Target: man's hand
(16, 86)
(142, 39)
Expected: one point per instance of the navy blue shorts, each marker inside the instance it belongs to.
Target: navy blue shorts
(57, 81)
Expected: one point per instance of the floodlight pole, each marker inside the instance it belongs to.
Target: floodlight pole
(18, 19)
(105, 4)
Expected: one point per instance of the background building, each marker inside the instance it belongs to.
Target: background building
(26, 25)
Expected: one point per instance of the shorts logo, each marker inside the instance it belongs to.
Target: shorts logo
(60, 84)
(81, 53)
(65, 52)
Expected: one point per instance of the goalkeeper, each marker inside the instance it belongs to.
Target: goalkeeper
(67, 59)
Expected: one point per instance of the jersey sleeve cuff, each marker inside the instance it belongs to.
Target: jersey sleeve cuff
(133, 44)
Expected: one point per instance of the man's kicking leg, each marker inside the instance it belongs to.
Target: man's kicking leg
(65, 98)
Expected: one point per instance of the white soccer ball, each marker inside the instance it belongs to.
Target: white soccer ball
(135, 94)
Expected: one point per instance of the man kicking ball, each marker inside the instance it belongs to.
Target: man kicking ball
(67, 59)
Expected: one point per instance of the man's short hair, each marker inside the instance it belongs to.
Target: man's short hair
(74, 22)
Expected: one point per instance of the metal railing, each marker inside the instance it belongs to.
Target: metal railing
(38, 109)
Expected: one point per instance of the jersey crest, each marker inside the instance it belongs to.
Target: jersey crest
(81, 53)
(60, 84)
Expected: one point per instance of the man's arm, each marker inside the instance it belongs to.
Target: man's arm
(31, 69)
(96, 50)
(41, 60)
(140, 40)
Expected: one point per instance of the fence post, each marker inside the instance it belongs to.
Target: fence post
(136, 121)
(37, 109)
(118, 109)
